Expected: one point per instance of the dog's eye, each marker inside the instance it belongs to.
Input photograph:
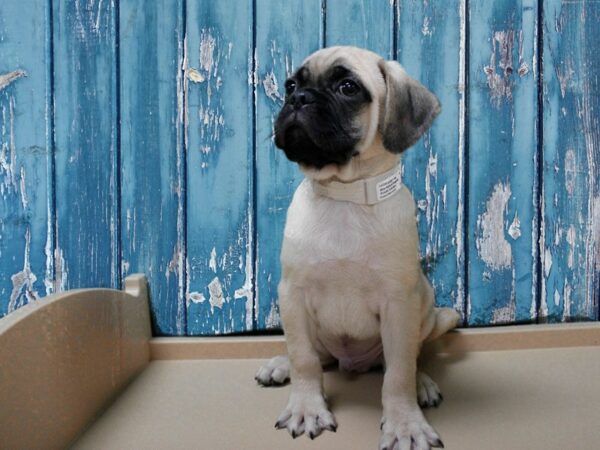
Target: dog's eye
(290, 87)
(348, 88)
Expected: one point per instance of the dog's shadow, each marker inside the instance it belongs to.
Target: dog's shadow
(350, 389)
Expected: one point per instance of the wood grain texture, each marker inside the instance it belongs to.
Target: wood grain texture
(137, 136)
(87, 250)
(434, 168)
(284, 37)
(219, 167)
(502, 178)
(362, 23)
(151, 164)
(25, 154)
(571, 155)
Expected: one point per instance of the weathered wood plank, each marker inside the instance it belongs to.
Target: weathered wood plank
(503, 172)
(25, 154)
(434, 168)
(87, 253)
(152, 170)
(219, 164)
(362, 23)
(284, 37)
(571, 191)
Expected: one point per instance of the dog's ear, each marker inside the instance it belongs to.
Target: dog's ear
(408, 110)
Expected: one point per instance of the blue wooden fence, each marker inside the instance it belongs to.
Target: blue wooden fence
(135, 136)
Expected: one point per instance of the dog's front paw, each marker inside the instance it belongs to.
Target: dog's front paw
(274, 372)
(428, 392)
(306, 413)
(407, 429)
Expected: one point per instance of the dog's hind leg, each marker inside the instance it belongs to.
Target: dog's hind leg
(444, 319)
(428, 392)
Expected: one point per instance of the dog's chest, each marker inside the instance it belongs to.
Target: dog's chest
(342, 254)
(324, 237)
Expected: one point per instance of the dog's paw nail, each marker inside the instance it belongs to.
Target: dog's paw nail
(334, 428)
(438, 443)
(311, 435)
(294, 434)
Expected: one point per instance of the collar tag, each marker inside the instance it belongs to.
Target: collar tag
(389, 186)
(366, 191)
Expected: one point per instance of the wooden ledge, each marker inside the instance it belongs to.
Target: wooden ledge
(514, 337)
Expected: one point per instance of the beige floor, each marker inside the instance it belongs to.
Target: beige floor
(524, 399)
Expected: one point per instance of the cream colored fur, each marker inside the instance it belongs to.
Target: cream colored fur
(351, 279)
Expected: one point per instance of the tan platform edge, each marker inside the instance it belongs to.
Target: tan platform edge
(63, 358)
(66, 358)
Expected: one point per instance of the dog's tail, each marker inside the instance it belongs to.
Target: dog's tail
(441, 320)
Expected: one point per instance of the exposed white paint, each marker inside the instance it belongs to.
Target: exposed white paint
(253, 74)
(48, 280)
(556, 297)
(124, 267)
(564, 73)
(543, 312)
(98, 15)
(523, 69)
(547, 262)
(216, 293)
(499, 83)
(213, 260)
(207, 50)
(271, 86)
(444, 196)
(8, 78)
(173, 265)
(195, 297)
(568, 302)
(211, 124)
(273, 320)
(195, 76)
(492, 246)
(61, 271)
(247, 289)
(8, 152)
(595, 231)
(515, 227)
(570, 171)
(425, 28)
(571, 240)
(23, 290)
(24, 201)
(505, 314)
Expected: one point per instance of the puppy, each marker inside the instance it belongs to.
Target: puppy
(352, 288)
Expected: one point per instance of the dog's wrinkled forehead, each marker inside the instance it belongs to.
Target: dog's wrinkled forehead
(359, 62)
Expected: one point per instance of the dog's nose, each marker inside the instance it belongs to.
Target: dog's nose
(300, 98)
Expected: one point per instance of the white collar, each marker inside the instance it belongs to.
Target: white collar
(367, 191)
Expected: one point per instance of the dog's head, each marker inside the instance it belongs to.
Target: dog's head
(344, 99)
